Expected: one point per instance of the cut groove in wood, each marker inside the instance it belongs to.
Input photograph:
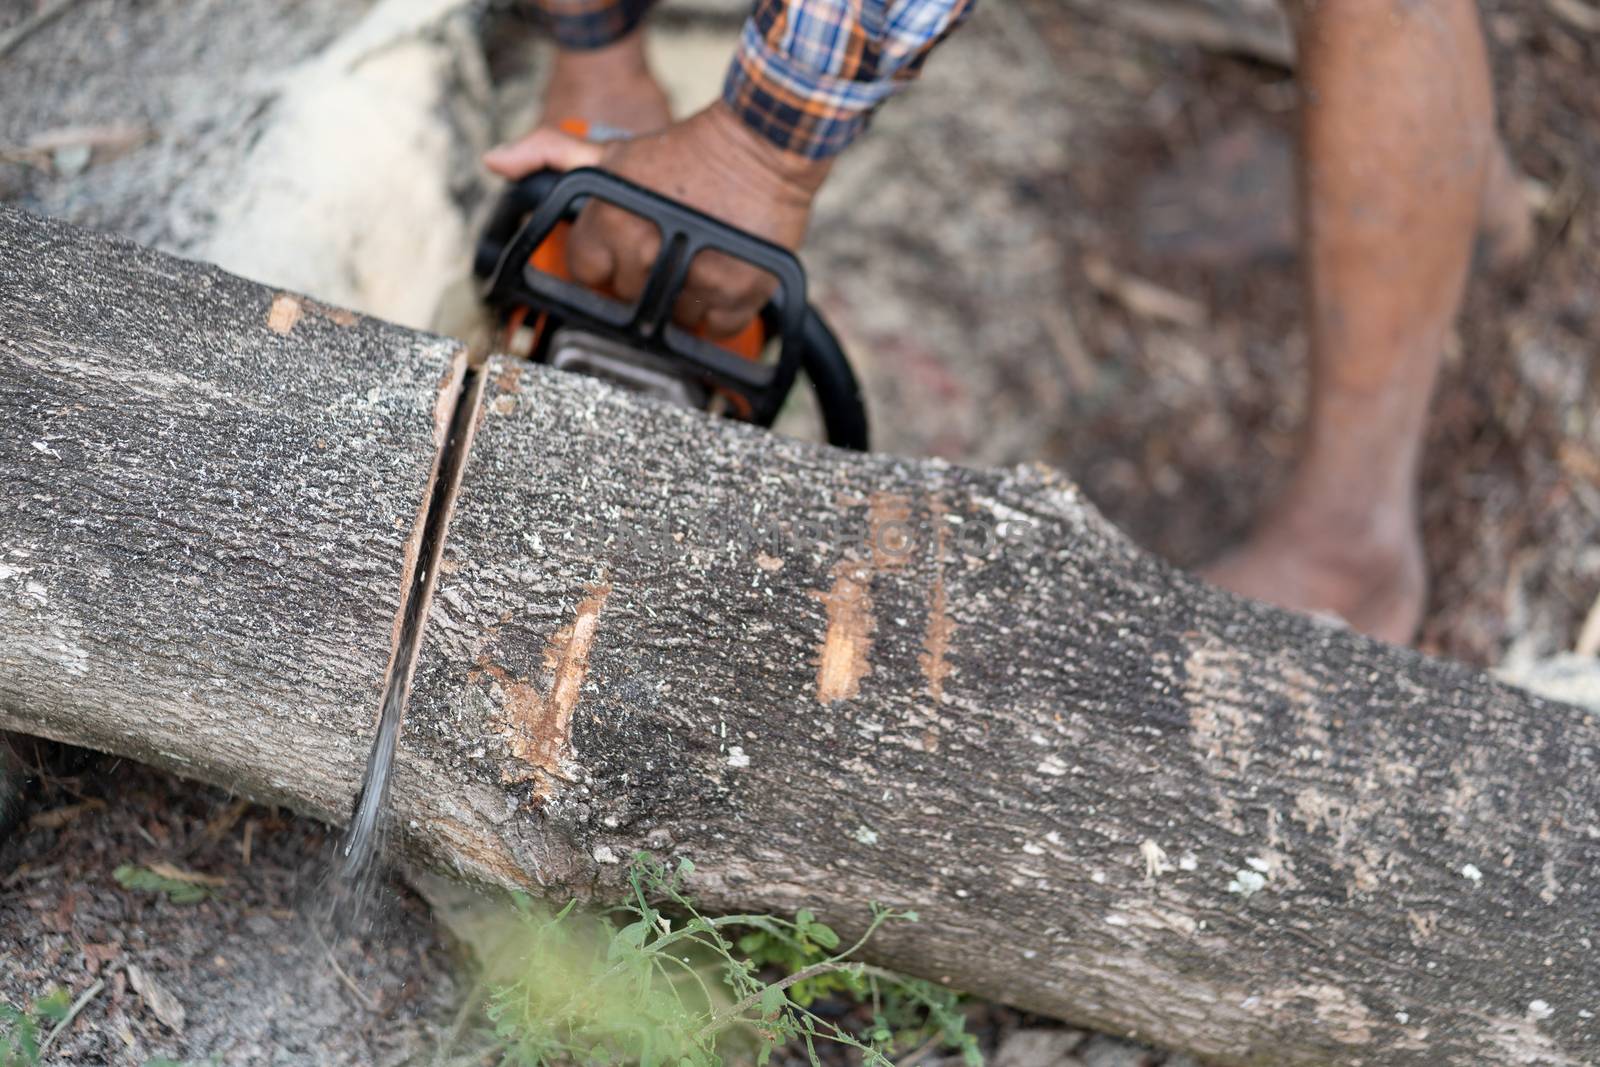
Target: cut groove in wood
(460, 398)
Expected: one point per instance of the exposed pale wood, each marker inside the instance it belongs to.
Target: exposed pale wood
(1112, 794)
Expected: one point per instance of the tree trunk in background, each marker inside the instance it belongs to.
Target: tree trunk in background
(329, 147)
(1114, 795)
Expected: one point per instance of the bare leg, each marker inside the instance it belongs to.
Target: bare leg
(1397, 136)
(612, 86)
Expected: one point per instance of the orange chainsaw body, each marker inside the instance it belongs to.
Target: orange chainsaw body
(551, 258)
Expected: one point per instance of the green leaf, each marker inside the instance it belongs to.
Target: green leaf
(53, 1005)
(773, 1001)
(19, 1038)
(823, 935)
(131, 877)
(630, 936)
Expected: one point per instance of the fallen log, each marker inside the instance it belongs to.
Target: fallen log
(1113, 795)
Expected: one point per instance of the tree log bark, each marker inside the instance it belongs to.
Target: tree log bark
(1114, 795)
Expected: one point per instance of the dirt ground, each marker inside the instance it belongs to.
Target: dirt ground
(975, 251)
(239, 977)
(974, 246)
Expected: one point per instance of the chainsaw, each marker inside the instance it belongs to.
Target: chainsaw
(521, 263)
(548, 317)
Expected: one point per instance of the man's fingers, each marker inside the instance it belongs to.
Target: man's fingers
(729, 323)
(612, 249)
(544, 148)
(591, 263)
(634, 242)
(723, 293)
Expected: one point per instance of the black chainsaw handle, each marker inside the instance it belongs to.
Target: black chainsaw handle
(822, 360)
(515, 204)
(532, 207)
(647, 322)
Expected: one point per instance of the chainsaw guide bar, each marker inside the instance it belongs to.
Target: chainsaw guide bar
(364, 837)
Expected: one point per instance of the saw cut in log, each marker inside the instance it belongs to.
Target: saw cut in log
(1113, 795)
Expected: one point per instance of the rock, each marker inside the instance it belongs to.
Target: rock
(1039, 1047)
(1103, 1051)
(162, 1004)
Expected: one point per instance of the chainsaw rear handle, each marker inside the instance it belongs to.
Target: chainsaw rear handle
(515, 204)
(547, 198)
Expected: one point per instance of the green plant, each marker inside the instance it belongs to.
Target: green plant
(658, 984)
(177, 890)
(19, 1030)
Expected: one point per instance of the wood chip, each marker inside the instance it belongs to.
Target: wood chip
(178, 874)
(162, 1004)
(1082, 372)
(1589, 636)
(1143, 298)
(226, 820)
(1584, 16)
(49, 148)
(111, 137)
(56, 818)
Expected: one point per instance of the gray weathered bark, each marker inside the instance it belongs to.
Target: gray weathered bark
(1113, 795)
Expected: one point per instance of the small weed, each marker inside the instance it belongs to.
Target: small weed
(674, 988)
(20, 1030)
(179, 891)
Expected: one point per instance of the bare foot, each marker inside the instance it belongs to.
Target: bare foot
(610, 86)
(1368, 577)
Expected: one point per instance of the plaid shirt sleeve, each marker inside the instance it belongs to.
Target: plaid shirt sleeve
(809, 73)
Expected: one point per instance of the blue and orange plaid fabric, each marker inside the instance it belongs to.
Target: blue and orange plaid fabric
(808, 74)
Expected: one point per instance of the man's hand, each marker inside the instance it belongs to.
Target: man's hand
(710, 161)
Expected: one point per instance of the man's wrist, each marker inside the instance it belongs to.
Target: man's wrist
(800, 175)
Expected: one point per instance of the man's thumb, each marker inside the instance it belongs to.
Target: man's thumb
(543, 149)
